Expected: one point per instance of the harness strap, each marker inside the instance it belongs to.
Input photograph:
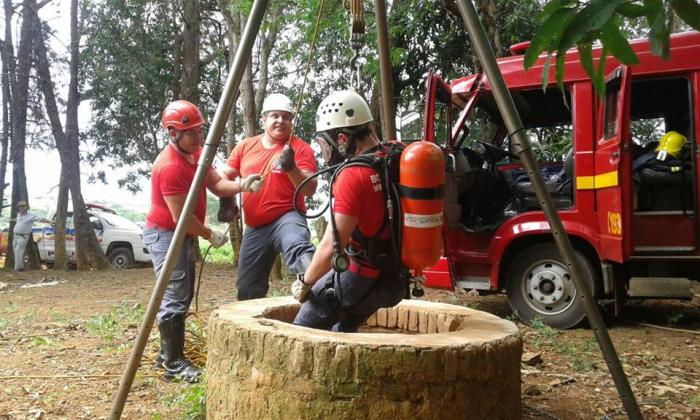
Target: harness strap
(363, 270)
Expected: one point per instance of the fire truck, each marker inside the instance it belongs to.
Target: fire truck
(634, 230)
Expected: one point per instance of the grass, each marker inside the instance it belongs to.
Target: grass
(4, 323)
(223, 255)
(108, 326)
(582, 356)
(191, 399)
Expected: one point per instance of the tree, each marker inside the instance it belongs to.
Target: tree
(19, 86)
(89, 254)
(8, 73)
(569, 23)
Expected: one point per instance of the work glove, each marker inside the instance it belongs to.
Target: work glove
(286, 160)
(227, 210)
(217, 239)
(251, 183)
(300, 290)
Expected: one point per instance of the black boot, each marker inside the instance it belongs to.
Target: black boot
(160, 358)
(172, 341)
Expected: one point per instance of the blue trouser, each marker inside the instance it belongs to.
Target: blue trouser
(259, 247)
(180, 291)
(19, 245)
(360, 295)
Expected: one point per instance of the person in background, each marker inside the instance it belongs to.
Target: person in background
(342, 301)
(173, 173)
(272, 224)
(24, 222)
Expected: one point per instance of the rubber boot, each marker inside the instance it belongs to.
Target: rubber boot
(172, 341)
(160, 358)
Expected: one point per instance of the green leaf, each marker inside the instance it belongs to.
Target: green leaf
(554, 6)
(598, 80)
(545, 72)
(585, 52)
(689, 11)
(617, 44)
(547, 36)
(559, 74)
(659, 32)
(590, 18)
(631, 10)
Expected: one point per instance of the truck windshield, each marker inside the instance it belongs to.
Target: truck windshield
(546, 119)
(118, 221)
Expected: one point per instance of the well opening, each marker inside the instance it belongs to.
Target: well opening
(400, 319)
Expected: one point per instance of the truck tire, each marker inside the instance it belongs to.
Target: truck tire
(540, 286)
(121, 258)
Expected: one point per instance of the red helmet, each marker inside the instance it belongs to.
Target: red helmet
(182, 115)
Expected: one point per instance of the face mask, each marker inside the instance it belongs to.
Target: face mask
(331, 154)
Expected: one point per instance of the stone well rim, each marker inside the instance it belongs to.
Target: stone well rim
(476, 328)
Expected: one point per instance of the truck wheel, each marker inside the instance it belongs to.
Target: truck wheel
(121, 258)
(540, 286)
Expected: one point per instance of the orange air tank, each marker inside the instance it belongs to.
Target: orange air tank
(421, 187)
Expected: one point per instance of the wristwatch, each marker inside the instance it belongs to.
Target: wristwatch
(300, 277)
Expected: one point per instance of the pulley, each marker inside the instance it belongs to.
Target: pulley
(357, 33)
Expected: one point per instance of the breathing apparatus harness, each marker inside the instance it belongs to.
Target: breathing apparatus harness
(384, 159)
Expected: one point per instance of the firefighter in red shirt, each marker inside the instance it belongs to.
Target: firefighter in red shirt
(272, 224)
(342, 301)
(171, 177)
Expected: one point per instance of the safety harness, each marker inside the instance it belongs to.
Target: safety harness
(364, 253)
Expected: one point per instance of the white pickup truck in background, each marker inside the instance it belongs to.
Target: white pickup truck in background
(121, 239)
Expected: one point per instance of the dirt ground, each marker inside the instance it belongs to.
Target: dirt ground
(65, 339)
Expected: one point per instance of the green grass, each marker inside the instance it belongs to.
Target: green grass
(223, 255)
(108, 326)
(191, 399)
(544, 333)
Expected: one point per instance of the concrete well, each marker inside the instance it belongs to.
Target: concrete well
(419, 360)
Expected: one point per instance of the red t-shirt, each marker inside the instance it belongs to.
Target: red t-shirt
(275, 197)
(172, 175)
(357, 192)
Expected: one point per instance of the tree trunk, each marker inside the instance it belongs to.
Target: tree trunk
(20, 89)
(8, 72)
(88, 251)
(190, 47)
(60, 256)
(489, 18)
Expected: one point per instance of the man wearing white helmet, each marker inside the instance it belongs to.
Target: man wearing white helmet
(342, 301)
(272, 224)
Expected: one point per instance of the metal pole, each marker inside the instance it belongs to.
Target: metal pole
(515, 127)
(388, 124)
(218, 126)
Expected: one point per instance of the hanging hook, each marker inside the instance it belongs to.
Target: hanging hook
(357, 31)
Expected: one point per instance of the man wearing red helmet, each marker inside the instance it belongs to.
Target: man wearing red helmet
(171, 177)
(272, 224)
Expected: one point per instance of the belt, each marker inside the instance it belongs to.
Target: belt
(363, 270)
(24, 235)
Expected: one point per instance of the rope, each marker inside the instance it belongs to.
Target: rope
(308, 62)
(681, 330)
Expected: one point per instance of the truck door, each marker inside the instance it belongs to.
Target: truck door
(613, 168)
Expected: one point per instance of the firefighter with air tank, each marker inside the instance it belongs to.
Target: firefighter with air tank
(356, 269)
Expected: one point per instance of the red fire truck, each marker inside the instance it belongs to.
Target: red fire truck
(634, 229)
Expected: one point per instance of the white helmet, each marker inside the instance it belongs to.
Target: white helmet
(277, 102)
(344, 108)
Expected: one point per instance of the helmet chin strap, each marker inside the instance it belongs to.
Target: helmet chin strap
(176, 142)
